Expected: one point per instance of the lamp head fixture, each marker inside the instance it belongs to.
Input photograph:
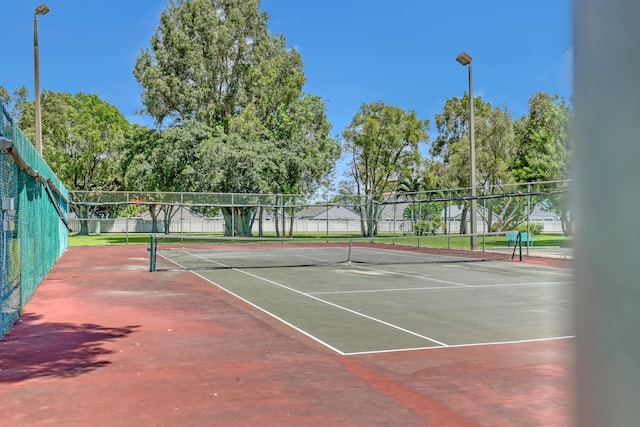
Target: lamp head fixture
(42, 10)
(464, 58)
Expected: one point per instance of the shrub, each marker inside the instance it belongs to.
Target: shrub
(425, 227)
(534, 228)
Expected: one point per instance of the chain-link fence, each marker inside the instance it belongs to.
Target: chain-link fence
(533, 207)
(33, 217)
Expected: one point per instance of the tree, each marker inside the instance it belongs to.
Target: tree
(416, 185)
(5, 97)
(137, 167)
(494, 142)
(17, 103)
(215, 63)
(163, 160)
(80, 134)
(383, 141)
(201, 58)
(543, 140)
(495, 151)
(233, 164)
(544, 148)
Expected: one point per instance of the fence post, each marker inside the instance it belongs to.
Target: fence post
(152, 254)
(528, 215)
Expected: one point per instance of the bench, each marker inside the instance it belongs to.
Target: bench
(526, 240)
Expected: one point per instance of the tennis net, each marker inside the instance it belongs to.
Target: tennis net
(169, 252)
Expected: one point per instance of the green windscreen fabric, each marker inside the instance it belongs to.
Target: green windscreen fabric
(33, 219)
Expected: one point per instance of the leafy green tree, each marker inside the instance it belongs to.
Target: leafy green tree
(80, 134)
(495, 152)
(138, 167)
(136, 160)
(5, 97)
(163, 160)
(383, 141)
(544, 150)
(494, 142)
(232, 164)
(16, 102)
(215, 63)
(202, 56)
(417, 185)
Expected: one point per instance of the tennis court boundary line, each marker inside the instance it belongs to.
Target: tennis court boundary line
(487, 344)
(441, 288)
(316, 339)
(348, 310)
(439, 343)
(336, 350)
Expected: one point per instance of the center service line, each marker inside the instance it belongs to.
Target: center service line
(329, 303)
(341, 307)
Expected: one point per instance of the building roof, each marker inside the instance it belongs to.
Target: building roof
(330, 212)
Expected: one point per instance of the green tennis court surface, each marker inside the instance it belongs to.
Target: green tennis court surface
(397, 300)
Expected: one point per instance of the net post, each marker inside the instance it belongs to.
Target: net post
(152, 254)
(519, 243)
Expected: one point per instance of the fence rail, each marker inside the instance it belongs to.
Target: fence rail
(535, 206)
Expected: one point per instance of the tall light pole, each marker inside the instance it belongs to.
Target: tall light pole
(465, 60)
(40, 10)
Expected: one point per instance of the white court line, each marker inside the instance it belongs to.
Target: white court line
(480, 344)
(319, 300)
(436, 288)
(341, 307)
(303, 332)
(310, 295)
(496, 264)
(518, 268)
(397, 273)
(366, 291)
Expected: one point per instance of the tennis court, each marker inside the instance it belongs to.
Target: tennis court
(382, 298)
(130, 347)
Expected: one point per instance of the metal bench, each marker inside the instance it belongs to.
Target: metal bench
(525, 239)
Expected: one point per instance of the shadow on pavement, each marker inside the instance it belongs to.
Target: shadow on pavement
(35, 350)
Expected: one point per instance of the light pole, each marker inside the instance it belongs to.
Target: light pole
(465, 60)
(40, 10)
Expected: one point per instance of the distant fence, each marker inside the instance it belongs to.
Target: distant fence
(300, 226)
(33, 216)
(536, 206)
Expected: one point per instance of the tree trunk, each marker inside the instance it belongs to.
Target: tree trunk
(463, 219)
(84, 223)
(238, 221)
(276, 216)
(291, 222)
(153, 213)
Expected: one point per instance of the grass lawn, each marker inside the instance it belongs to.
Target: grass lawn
(109, 239)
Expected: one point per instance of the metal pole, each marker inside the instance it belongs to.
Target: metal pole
(126, 222)
(528, 216)
(472, 157)
(326, 202)
(36, 73)
(449, 222)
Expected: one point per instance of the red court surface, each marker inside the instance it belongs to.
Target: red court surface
(106, 343)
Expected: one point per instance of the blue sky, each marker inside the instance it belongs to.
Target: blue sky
(354, 51)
